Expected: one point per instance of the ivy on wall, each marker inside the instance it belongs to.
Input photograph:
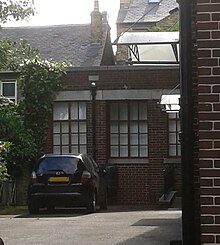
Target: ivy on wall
(25, 125)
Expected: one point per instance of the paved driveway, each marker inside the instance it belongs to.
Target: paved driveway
(116, 226)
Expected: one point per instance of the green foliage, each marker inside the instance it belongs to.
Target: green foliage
(15, 10)
(14, 55)
(156, 29)
(40, 81)
(26, 125)
(23, 148)
(175, 27)
(4, 148)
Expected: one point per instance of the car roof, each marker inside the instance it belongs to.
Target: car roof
(80, 156)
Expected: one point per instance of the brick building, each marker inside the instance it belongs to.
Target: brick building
(131, 130)
(111, 112)
(144, 16)
(200, 113)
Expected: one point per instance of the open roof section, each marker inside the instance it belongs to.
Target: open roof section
(151, 47)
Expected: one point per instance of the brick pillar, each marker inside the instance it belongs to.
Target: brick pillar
(208, 17)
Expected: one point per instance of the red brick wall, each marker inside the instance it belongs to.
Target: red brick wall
(209, 115)
(116, 77)
(138, 183)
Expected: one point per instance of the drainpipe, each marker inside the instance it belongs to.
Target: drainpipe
(93, 91)
(187, 136)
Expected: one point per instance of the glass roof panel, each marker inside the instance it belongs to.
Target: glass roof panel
(148, 38)
(162, 52)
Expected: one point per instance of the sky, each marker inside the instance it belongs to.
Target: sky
(54, 12)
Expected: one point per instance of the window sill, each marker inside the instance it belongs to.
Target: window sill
(176, 160)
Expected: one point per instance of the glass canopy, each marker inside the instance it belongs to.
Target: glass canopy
(151, 47)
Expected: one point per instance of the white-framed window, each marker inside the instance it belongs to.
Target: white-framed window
(128, 129)
(173, 134)
(9, 89)
(69, 127)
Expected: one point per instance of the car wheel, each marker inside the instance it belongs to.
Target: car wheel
(33, 208)
(91, 207)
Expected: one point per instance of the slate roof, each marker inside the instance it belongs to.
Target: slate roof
(60, 42)
(154, 12)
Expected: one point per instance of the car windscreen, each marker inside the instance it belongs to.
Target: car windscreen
(66, 164)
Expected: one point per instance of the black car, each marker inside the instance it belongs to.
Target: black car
(67, 181)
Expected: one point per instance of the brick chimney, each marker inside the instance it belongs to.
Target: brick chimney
(96, 23)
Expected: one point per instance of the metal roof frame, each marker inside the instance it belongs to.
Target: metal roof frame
(134, 40)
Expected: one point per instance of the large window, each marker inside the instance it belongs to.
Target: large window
(9, 89)
(69, 127)
(174, 129)
(128, 129)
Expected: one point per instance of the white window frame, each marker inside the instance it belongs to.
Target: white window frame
(176, 145)
(69, 128)
(128, 121)
(5, 81)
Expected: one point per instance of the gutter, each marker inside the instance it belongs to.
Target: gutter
(190, 237)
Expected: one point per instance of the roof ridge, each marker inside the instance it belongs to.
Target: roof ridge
(43, 26)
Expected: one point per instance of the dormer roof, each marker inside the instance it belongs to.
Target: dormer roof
(155, 11)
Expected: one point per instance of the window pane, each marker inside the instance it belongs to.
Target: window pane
(82, 110)
(114, 111)
(143, 127)
(172, 138)
(133, 111)
(134, 128)
(114, 151)
(83, 149)
(56, 139)
(74, 139)
(123, 139)
(82, 127)
(74, 149)
(143, 139)
(65, 127)
(65, 139)
(134, 139)
(82, 138)
(8, 89)
(179, 150)
(114, 127)
(134, 151)
(74, 111)
(114, 139)
(178, 126)
(143, 151)
(56, 127)
(126, 131)
(172, 126)
(123, 151)
(172, 115)
(65, 149)
(74, 127)
(56, 150)
(172, 150)
(123, 128)
(142, 111)
(60, 111)
(123, 111)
